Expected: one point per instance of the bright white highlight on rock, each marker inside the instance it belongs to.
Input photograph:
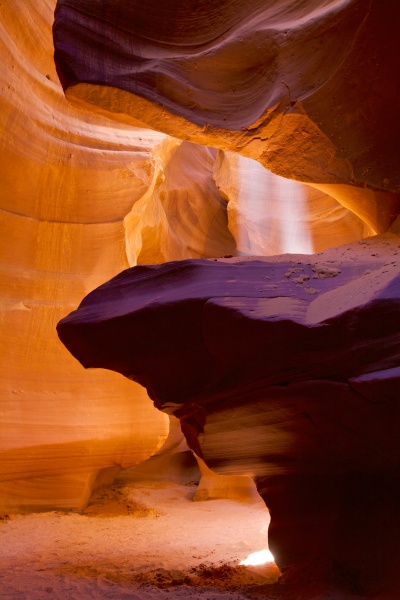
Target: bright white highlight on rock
(295, 233)
(257, 558)
(267, 214)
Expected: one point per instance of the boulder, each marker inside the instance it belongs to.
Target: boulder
(284, 369)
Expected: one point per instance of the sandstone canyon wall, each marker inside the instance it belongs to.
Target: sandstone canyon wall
(67, 182)
(82, 198)
(306, 88)
(285, 369)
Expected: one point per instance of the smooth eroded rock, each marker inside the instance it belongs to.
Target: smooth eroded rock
(285, 369)
(308, 89)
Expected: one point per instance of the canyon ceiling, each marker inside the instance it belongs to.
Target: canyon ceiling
(222, 133)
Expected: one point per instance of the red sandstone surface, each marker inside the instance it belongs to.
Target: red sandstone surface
(283, 371)
(307, 88)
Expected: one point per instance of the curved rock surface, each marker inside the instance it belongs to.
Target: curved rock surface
(268, 214)
(307, 88)
(182, 214)
(68, 179)
(282, 368)
(81, 199)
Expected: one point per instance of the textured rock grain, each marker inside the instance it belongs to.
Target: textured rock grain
(68, 179)
(294, 388)
(82, 198)
(308, 89)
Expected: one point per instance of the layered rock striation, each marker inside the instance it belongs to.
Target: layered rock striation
(68, 179)
(308, 89)
(282, 368)
(82, 198)
(285, 369)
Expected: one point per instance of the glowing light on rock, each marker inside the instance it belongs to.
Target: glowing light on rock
(295, 231)
(267, 214)
(258, 558)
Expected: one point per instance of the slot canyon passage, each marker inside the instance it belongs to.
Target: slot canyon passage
(200, 205)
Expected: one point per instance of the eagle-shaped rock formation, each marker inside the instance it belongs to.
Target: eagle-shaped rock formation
(285, 368)
(282, 368)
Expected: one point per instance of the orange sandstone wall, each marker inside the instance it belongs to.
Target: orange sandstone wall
(83, 197)
(67, 181)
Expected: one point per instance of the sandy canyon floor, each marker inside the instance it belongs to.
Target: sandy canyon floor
(136, 543)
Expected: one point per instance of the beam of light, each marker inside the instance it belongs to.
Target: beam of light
(295, 231)
(258, 558)
(268, 213)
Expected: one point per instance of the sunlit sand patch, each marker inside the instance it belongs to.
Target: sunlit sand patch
(150, 542)
(258, 558)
